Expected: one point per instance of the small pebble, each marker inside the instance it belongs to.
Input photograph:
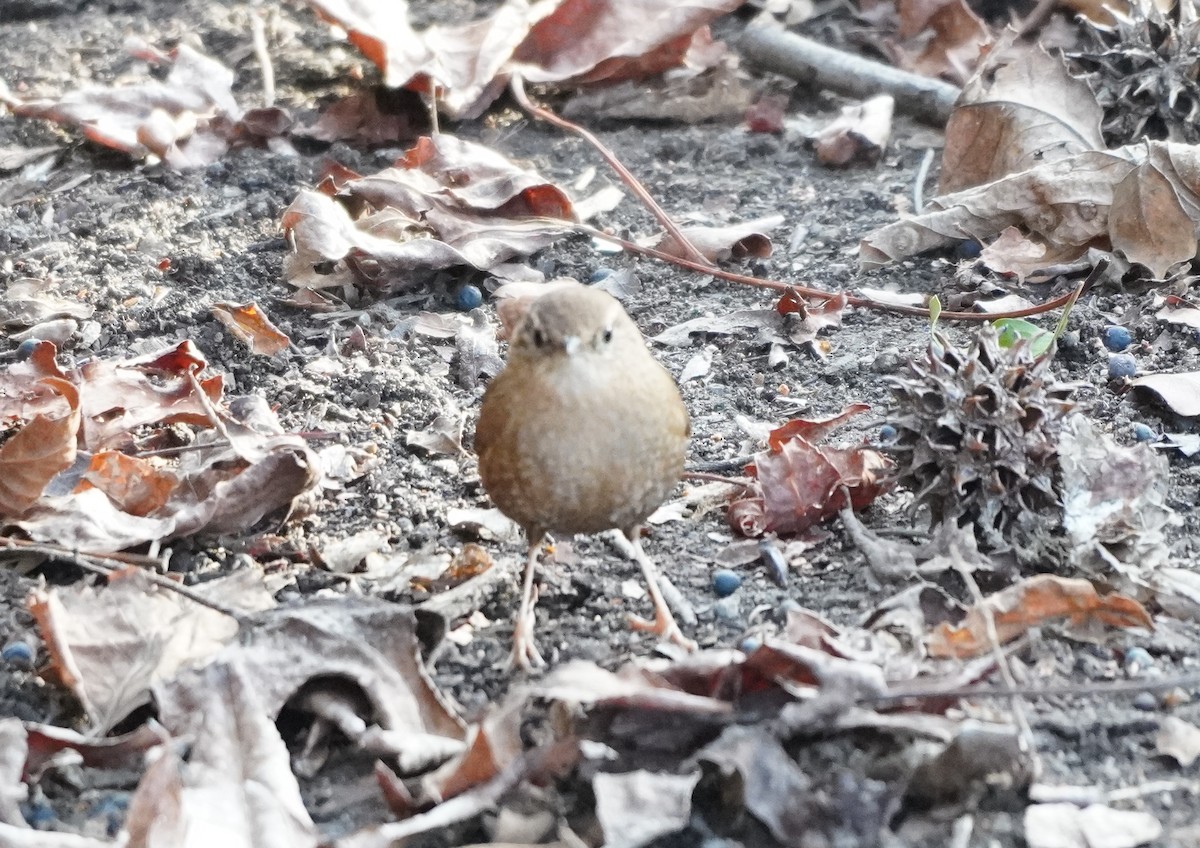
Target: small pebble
(1137, 660)
(777, 566)
(1121, 365)
(38, 815)
(468, 297)
(1146, 702)
(1068, 340)
(1176, 697)
(887, 434)
(112, 809)
(749, 645)
(725, 582)
(728, 609)
(18, 654)
(969, 249)
(25, 349)
(1117, 338)
(599, 274)
(1143, 433)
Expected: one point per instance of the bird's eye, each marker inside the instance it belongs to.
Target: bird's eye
(539, 338)
(607, 335)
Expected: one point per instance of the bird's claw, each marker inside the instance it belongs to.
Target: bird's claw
(664, 627)
(524, 655)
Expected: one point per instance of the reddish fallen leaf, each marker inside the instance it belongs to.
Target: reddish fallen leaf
(814, 315)
(248, 322)
(187, 120)
(767, 114)
(801, 483)
(445, 202)
(39, 451)
(371, 118)
(1036, 601)
(939, 38)
(582, 41)
(134, 485)
(115, 396)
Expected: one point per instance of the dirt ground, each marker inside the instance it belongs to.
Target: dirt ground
(99, 225)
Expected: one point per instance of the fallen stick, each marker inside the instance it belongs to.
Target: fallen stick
(807, 61)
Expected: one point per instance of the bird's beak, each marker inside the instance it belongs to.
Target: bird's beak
(571, 345)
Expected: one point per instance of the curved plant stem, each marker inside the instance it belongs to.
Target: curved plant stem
(517, 86)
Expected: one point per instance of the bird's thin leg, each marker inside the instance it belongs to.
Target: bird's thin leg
(664, 625)
(524, 648)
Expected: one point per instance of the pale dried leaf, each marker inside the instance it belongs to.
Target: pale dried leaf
(236, 788)
(127, 636)
(1178, 739)
(1180, 392)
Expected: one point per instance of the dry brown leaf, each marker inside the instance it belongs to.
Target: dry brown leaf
(249, 324)
(236, 787)
(801, 483)
(1026, 111)
(1036, 601)
(1148, 222)
(588, 41)
(112, 643)
(446, 202)
(859, 134)
(188, 120)
(940, 38)
(372, 118)
(39, 451)
(1180, 392)
(367, 644)
(135, 486)
(118, 396)
(717, 244)
(1063, 203)
(553, 41)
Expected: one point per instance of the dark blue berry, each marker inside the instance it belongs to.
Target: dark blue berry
(26, 348)
(18, 654)
(1121, 365)
(1143, 433)
(725, 582)
(599, 274)
(887, 433)
(969, 249)
(468, 297)
(1117, 338)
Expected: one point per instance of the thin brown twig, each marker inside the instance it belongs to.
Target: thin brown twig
(708, 477)
(1120, 687)
(852, 300)
(107, 564)
(989, 621)
(258, 35)
(517, 86)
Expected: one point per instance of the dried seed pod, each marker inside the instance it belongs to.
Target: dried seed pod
(1145, 72)
(977, 436)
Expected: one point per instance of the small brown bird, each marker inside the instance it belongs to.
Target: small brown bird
(583, 431)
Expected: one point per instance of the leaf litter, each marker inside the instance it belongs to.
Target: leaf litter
(737, 724)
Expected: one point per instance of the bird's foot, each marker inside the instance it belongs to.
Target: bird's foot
(663, 626)
(524, 655)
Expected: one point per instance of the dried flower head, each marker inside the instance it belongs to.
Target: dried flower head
(977, 435)
(1145, 72)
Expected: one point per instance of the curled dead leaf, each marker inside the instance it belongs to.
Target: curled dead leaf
(39, 451)
(1034, 602)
